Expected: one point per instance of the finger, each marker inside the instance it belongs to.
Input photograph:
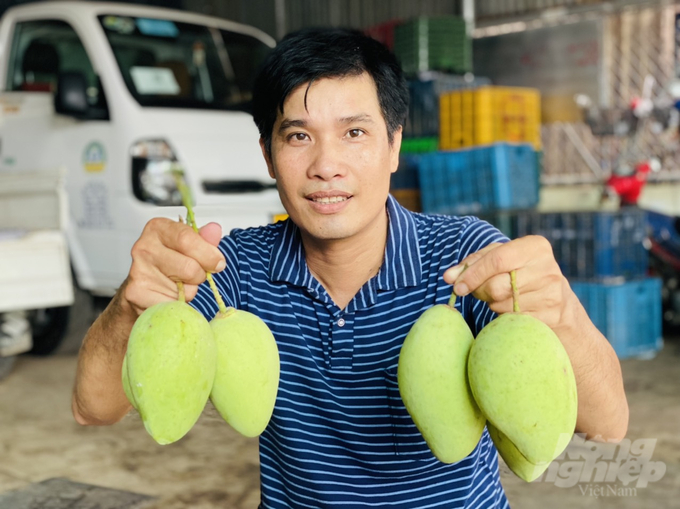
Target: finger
(143, 289)
(501, 260)
(190, 292)
(544, 303)
(183, 239)
(496, 291)
(212, 233)
(453, 273)
(542, 289)
(176, 267)
(498, 288)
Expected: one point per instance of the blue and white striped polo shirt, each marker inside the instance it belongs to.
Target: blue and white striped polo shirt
(340, 435)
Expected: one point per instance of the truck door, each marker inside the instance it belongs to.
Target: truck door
(36, 136)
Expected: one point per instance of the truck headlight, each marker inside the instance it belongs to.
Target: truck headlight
(153, 164)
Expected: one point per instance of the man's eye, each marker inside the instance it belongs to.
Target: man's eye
(355, 133)
(297, 137)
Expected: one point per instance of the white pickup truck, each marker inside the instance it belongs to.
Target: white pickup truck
(119, 95)
(35, 274)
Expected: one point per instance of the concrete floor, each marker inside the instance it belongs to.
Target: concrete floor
(213, 467)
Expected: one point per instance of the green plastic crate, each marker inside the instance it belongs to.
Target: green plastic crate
(419, 145)
(433, 43)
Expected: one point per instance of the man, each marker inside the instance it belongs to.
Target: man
(340, 283)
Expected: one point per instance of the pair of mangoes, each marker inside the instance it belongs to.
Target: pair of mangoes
(515, 377)
(176, 360)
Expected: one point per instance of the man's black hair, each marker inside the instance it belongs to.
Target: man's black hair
(310, 54)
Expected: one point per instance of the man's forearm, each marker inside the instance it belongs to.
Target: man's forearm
(602, 404)
(98, 396)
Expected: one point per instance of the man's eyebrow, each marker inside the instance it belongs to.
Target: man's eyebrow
(288, 123)
(361, 117)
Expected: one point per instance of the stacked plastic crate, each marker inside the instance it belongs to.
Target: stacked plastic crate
(473, 148)
(421, 132)
(435, 54)
(489, 137)
(468, 147)
(490, 114)
(433, 43)
(479, 180)
(603, 255)
(425, 90)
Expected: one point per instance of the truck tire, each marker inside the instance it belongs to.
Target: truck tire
(6, 364)
(48, 327)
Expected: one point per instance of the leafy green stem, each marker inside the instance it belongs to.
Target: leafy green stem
(187, 202)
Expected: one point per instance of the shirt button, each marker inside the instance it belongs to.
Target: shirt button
(341, 322)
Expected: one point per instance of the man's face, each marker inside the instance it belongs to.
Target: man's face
(332, 161)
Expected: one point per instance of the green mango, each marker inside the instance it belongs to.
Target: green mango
(522, 379)
(432, 378)
(521, 466)
(126, 384)
(171, 361)
(247, 376)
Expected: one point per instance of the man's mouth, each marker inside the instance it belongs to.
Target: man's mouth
(330, 199)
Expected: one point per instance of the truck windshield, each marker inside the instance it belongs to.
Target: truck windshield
(180, 65)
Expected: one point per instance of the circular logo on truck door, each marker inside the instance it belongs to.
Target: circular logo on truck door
(94, 157)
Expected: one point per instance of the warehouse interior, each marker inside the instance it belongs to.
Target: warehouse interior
(567, 110)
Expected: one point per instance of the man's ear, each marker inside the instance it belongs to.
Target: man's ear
(394, 150)
(267, 159)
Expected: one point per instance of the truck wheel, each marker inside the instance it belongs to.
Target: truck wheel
(6, 364)
(48, 327)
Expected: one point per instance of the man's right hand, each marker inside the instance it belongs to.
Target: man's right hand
(168, 252)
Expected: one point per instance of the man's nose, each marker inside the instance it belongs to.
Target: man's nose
(329, 160)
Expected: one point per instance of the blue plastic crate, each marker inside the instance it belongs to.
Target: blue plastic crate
(627, 313)
(664, 231)
(478, 180)
(406, 176)
(423, 114)
(592, 245)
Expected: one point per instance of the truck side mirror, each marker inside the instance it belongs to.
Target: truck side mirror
(71, 96)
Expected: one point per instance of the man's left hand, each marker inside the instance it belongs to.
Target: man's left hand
(544, 291)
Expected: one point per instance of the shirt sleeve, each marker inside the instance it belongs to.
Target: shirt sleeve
(227, 282)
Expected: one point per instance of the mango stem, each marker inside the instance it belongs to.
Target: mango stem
(180, 289)
(227, 312)
(452, 300)
(515, 292)
(220, 303)
(186, 201)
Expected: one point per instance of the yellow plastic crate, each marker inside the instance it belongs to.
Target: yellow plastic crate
(446, 126)
(468, 114)
(489, 115)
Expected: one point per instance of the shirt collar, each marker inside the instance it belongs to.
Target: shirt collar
(401, 265)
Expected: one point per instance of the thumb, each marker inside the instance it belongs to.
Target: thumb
(212, 233)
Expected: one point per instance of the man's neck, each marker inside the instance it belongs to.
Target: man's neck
(344, 266)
